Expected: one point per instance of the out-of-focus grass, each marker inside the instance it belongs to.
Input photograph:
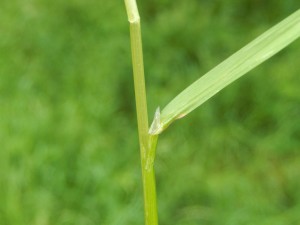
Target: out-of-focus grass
(69, 149)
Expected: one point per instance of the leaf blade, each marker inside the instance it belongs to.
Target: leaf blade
(237, 65)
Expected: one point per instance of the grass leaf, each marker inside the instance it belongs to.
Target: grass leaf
(244, 60)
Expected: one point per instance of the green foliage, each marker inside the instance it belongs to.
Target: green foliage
(237, 65)
(69, 152)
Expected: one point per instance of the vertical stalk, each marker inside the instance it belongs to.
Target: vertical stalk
(147, 142)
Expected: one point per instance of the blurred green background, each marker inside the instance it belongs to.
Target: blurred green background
(69, 149)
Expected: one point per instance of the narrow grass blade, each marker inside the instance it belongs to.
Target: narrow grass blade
(244, 60)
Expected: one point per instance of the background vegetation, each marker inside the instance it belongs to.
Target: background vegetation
(69, 149)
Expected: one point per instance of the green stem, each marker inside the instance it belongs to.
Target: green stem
(149, 184)
(147, 141)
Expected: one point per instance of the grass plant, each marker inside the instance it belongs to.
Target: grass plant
(237, 65)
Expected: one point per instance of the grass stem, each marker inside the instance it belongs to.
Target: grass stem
(147, 141)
